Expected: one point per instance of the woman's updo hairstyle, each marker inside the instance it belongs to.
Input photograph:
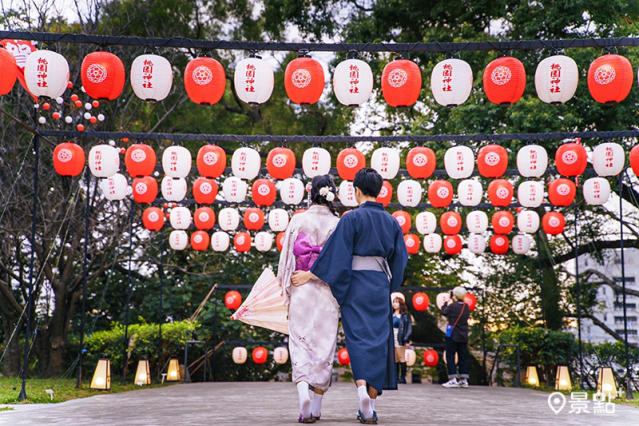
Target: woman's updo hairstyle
(324, 191)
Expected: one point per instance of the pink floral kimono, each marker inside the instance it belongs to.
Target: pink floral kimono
(313, 312)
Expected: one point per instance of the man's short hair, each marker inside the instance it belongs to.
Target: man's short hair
(368, 181)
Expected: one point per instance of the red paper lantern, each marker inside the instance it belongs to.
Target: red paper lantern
(145, 189)
(500, 192)
(204, 218)
(571, 159)
(342, 356)
(385, 194)
(451, 223)
(200, 240)
(504, 80)
(452, 244)
(401, 83)
(440, 193)
(264, 192)
(304, 80)
(204, 190)
(279, 239)
(404, 220)
(431, 357)
(253, 219)
(102, 75)
(420, 301)
(233, 299)
(204, 81)
(242, 242)
(211, 161)
(259, 355)
(280, 163)
(471, 301)
(553, 223)
(412, 243)
(140, 160)
(634, 159)
(562, 192)
(610, 78)
(68, 159)
(502, 222)
(349, 162)
(492, 161)
(153, 218)
(9, 70)
(420, 162)
(499, 244)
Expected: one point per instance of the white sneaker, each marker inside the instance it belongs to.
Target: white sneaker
(463, 383)
(452, 383)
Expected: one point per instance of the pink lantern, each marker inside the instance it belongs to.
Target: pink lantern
(245, 163)
(346, 194)
(451, 82)
(292, 191)
(409, 193)
(178, 240)
(253, 81)
(278, 220)
(532, 161)
(114, 187)
(352, 82)
(608, 159)
(386, 162)
(477, 221)
(316, 162)
(459, 162)
(180, 218)
(469, 192)
(228, 219)
(176, 161)
(104, 160)
(234, 189)
(151, 77)
(596, 191)
(528, 221)
(426, 223)
(173, 189)
(432, 243)
(530, 193)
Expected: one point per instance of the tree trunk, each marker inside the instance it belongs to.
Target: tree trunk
(57, 335)
(549, 289)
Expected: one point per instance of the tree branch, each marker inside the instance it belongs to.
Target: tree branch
(603, 326)
(592, 247)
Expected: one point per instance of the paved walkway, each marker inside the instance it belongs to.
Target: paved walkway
(261, 403)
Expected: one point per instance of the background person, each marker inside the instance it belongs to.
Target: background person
(402, 331)
(457, 313)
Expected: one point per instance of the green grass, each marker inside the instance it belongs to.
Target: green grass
(6, 408)
(63, 389)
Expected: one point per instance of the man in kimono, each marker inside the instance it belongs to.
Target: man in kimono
(363, 261)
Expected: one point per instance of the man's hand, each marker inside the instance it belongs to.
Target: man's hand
(301, 277)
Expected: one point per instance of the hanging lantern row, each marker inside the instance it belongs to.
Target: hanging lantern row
(259, 355)
(46, 74)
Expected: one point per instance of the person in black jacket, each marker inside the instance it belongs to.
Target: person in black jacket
(402, 330)
(457, 312)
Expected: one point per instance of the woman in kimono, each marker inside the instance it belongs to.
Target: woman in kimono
(363, 262)
(313, 312)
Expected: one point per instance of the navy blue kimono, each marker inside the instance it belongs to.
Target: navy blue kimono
(364, 296)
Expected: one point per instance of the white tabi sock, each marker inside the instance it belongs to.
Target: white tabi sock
(373, 403)
(316, 404)
(305, 399)
(365, 405)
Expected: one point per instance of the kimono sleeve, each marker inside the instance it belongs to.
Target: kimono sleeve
(398, 261)
(335, 262)
(286, 265)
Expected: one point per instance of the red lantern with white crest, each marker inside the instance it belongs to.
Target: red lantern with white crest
(431, 357)
(420, 301)
(114, 187)
(220, 241)
(401, 83)
(245, 163)
(499, 244)
(469, 192)
(571, 159)
(634, 159)
(610, 78)
(450, 223)
(176, 161)
(349, 162)
(386, 162)
(242, 242)
(476, 243)
(596, 191)
(608, 159)
(9, 70)
(492, 161)
(145, 189)
(342, 356)
(234, 189)
(502, 222)
(440, 193)
(477, 221)
(104, 160)
(404, 219)
(553, 223)
(385, 194)
(452, 244)
(153, 218)
(173, 189)
(253, 219)
(292, 191)
(451, 82)
(352, 82)
(200, 240)
(204, 81)
(409, 193)
(151, 77)
(426, 223)
(304, 80)
(68, 159)
(228, 219)
(253, 80)
(556, 79)
(204, 218)
(140, 160)
(205, 190)
(102, 75)
(346, 194)
(459, 162)
(532, 161)
(528, 221)
(278, 220)
(211, 161)
(46, 74)
(316, 161)
(471, 301)
(530, 193)
(561, 192)
(180, 218)
(504, 80)
(233, 300)
(412, 243)
(263, 192)
(279, 239)
(420, 162)
(280, 163)
(500, 192)
(432, 243)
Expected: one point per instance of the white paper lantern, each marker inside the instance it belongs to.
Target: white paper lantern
(151, 77)
(46, 73)
(608, 159)
(240, 354)
(451, 82)
(220, 241)
(469, 192)
(346, 193)
(280, 355)
(459, 162)
(432, 243)
(292, 191)
(596, 191)
(263, 241)
(114, 187)
(245, 163)
(176, 161)
(104, 160)
(532, 161)
(530, 193)
(410, 356)
(253, 80)
(556, 79)
(180, 218)
(316, 162)
(521, 243)
(426, 223)
(234, 189)
(386, 162)
(476, 243)
(178, 240)
(409, 193)
(352, 82)
(173, 189)
(528, 221)
(228, 219)
(477, 221)
(278, 220)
